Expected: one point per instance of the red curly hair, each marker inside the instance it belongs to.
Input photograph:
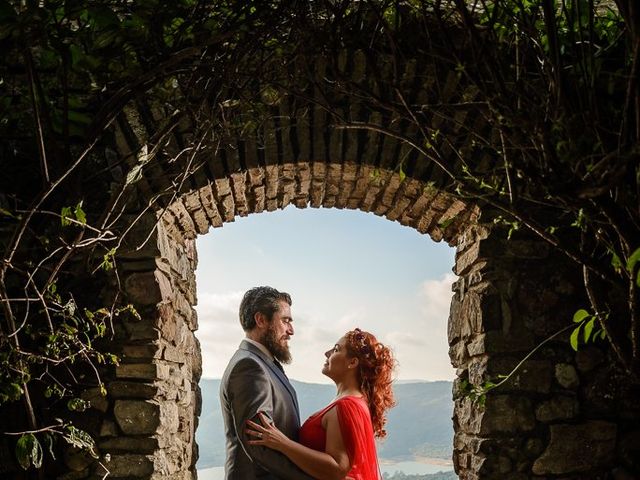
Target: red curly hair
(376, 365)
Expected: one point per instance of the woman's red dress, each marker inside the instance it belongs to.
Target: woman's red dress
(357, 434)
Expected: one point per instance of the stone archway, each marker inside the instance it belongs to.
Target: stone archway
(162, 350)
(546, 422)
(155, 394)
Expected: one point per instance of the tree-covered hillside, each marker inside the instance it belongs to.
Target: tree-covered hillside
(419, 424)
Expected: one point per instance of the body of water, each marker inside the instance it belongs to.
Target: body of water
(414, 468)
(408, 468)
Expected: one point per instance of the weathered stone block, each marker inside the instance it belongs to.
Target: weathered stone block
(477, 345)
(458, 353)
(454, 324)
(477, 368)
(467, 416)
(558, 408)
(133, 245)
(496, 341)
(533, 447)
(140, 351)
(137, 417)
(587, 358)
(174, 354)
(577, 448)
(128, 466)
(96, 399)
(465, 259)
(76, 459)
(129, 444)
(567, 376)
(144, 329)
(478, 313)
(143, 288)
(143, 371)
(109, 429)
(169, 418)
(533, 376)
(507, 414)
(132, 390)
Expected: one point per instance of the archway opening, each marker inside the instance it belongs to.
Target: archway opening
(343, 268)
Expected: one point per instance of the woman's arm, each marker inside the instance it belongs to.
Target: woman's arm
(332, 464)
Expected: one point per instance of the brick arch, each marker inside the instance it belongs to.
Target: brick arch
(311, 119)
(504, 302)
(315, 184)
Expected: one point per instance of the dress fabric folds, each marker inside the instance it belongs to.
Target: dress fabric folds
(357, 434)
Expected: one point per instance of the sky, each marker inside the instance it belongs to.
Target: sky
(343, 269)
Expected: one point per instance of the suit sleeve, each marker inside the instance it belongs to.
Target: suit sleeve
(252, 393)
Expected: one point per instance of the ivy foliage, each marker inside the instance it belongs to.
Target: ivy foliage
(69, 68)
(554, 83)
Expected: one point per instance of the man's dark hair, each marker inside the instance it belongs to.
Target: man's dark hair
(260, 299)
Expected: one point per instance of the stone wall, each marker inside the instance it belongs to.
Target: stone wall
(153, 401)
(563, 414)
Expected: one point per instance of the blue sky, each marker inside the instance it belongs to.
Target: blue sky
(343, 269)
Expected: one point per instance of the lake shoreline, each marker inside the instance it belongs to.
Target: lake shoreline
(409, 465)
(418, 459)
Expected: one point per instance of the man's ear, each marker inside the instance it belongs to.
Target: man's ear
(261, 320)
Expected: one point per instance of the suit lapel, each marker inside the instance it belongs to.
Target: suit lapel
(272, 366)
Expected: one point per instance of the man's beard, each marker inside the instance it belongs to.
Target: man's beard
(279, 351)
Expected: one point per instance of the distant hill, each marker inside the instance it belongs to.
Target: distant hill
(419, 424)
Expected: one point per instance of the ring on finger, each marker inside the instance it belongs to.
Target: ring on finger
(260, 435)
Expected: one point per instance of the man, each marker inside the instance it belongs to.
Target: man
(254, 381)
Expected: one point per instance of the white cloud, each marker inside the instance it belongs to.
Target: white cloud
(219, 329)
(418, 336)
(404, 338)
(229, 301)
(435, 299)
(424, 348)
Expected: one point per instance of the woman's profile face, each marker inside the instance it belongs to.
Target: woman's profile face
(337, 360)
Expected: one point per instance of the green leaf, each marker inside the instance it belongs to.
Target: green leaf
(10, 392)
(616, 263)
(580, 315)
(78, 405)
(107, 260)
(23, 448)
(402, 174)
(48, 441)
(80, 439)
(588, 328)
(79, 213)
(29, 451)
(65, 215)
(6, 213)
(573, 340)
(632, 260)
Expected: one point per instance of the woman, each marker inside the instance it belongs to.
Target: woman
(338, 441)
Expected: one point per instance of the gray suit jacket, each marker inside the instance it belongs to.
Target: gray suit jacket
(252, 383)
